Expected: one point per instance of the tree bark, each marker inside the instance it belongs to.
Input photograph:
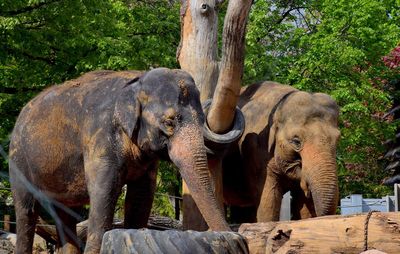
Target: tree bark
(328, 234)
(197, 54)
(197, 51)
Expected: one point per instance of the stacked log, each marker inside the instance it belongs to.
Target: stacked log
(329, 234)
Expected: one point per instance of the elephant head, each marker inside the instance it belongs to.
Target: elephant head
(304, 136)
(170, 122)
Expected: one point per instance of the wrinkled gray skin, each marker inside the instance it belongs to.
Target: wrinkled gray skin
(289, 143)
(81, 141)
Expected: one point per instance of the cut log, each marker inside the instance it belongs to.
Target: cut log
(329, 234)
(172, 241)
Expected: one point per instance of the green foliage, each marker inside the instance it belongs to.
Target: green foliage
(334, 47)
(168, 182)
(168, 186)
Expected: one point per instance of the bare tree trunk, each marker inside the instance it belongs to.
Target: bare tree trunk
(197, 51)
(197, 54)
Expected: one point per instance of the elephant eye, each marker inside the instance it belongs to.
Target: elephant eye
(296, 142)
(169, 123)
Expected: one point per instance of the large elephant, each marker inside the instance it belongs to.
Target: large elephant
(289, 143)
(81, 141)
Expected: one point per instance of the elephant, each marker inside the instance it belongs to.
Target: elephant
(80, 142)
(289, 144)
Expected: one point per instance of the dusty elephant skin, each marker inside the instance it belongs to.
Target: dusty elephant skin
(81, 141)
(289, 144)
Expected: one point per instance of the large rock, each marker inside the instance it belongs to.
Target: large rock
(145, 241)
(8, 242)
(6, 247)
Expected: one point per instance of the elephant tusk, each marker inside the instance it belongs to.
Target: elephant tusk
(304, 187)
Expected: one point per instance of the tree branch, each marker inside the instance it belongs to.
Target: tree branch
(222, 109)
(15, 90)
(284, 16)
(9, 13)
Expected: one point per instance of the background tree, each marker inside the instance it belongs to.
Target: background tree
(392, 60)
(336, 48)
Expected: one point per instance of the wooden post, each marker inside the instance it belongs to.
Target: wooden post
(7, 220)
(397, 197)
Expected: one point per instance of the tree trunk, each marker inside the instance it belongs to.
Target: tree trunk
(197, 54)
(328, 234)
(197, 51)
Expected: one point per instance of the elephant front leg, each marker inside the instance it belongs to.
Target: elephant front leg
(139, 199)
(104, 186)
(271, 199)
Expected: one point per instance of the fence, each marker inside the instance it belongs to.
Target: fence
(354, 204)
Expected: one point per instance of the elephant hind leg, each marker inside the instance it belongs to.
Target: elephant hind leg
(139, 199)
(66, 232)
(26, 218)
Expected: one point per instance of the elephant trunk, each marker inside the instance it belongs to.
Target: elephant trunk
(320, 175)
(188, 152)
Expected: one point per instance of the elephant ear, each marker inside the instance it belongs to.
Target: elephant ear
(127, 107)
(272, 128)
(272, 138)
(275, 117)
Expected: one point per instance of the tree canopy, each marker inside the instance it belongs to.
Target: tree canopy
(336, 47)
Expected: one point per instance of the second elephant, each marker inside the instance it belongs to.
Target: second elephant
(289, 144)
